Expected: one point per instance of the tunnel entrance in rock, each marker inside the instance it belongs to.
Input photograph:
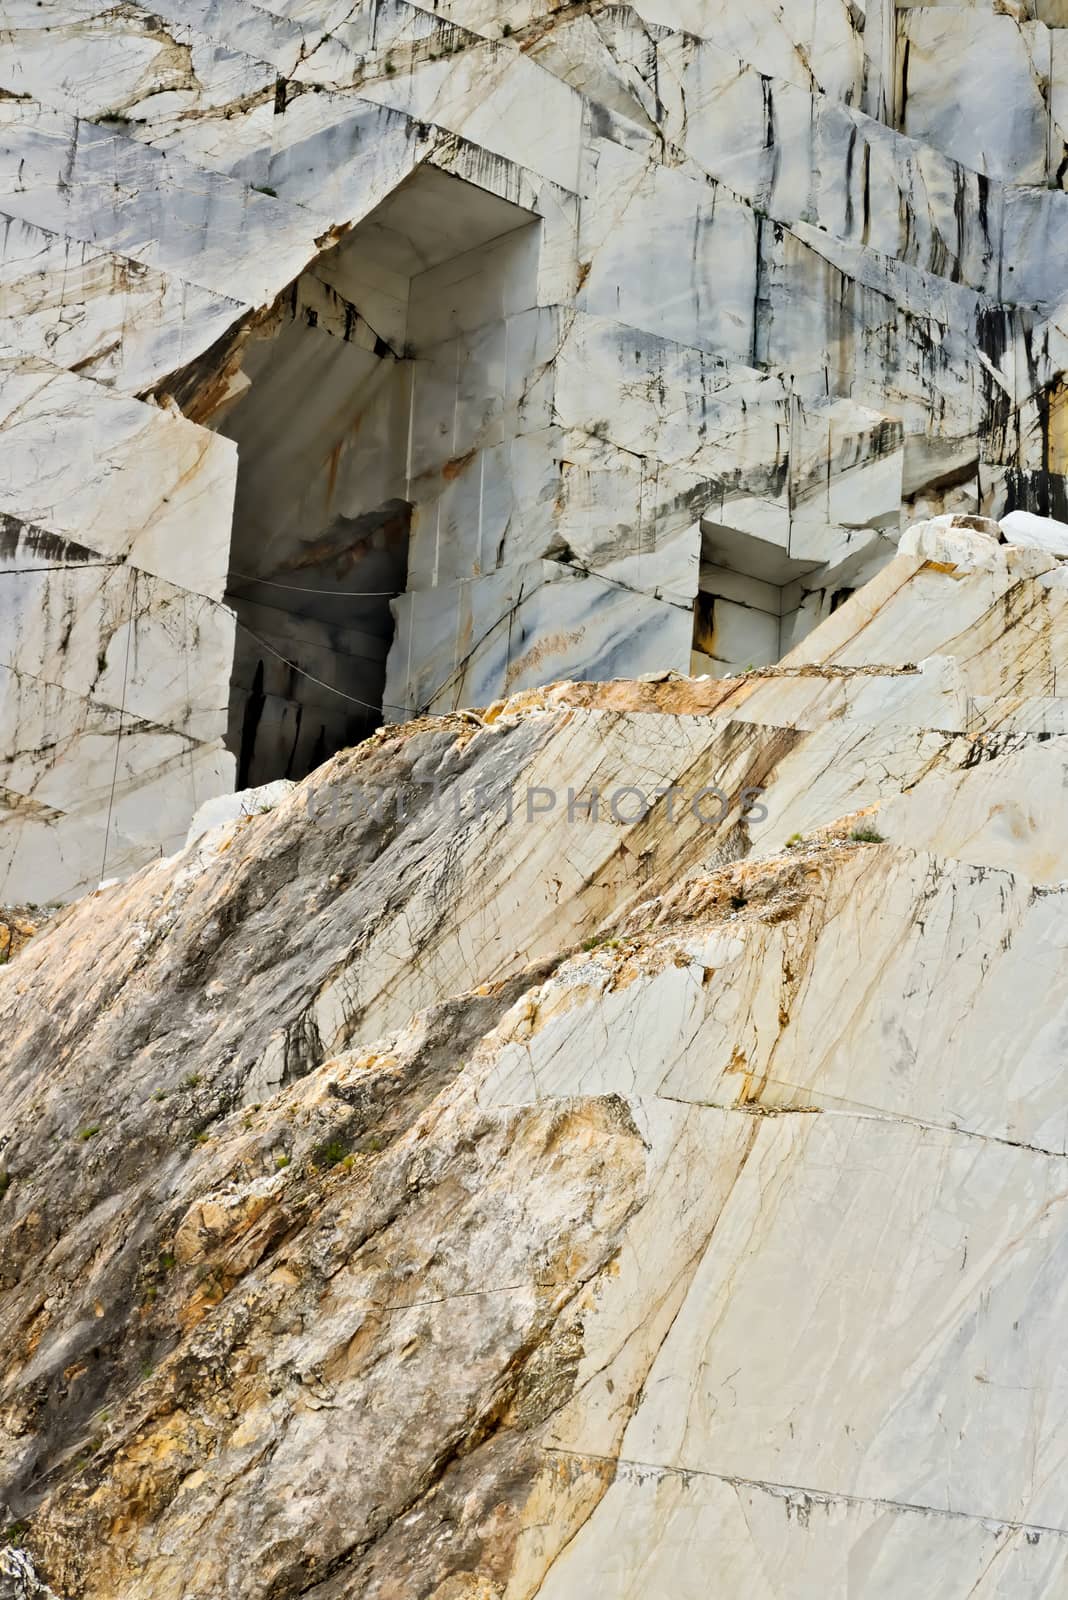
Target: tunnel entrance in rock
(309, 658)
(325, 414)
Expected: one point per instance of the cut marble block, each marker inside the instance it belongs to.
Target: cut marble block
(633, 531)
(521, 626)
(110, 317)
(497, 99)
(478, 390)
(1058, 99)
(120, 637)
(846, 468)
(102, 188)
(1043, 533)
(67, 760)
(49, 856)
(115, 475)
(669, 255)
(907, 612)
(733, 634)
(1036, 234)
(975, 86)
(78, 762)
(806, 160)
(707, 415)
(498, 507)
(814, 46)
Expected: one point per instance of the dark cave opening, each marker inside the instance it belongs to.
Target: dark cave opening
(311, 646)
(343, 406)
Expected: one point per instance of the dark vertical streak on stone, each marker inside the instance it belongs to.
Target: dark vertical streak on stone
(250, 723)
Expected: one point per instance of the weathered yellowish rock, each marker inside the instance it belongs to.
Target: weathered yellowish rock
(462, 1202)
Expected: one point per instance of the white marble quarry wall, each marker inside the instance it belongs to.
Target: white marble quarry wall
(553, 341)
(112, 712)
(115, 647)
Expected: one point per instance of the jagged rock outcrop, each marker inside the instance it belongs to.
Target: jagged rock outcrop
(412, 1192)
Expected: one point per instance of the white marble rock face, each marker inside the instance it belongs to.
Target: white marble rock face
(606, 297)
(701, 1226)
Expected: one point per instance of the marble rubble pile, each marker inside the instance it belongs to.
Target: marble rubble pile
(499, 1203)
(364, 358)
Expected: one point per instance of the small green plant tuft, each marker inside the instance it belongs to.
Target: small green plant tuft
(166, 1261)
(794, 840)
(330, 1154)
(90, 1132)
(866, 836)
(14, 1532)
(390, 68)
(265, 188)
(281, 1161)
(201, 1137)
(191, 1080)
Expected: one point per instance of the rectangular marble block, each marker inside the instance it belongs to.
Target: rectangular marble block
(499, 100)
(975, 85)
(116, 475)
(119, 637)
(111, 317)
(801, 158)
(480, 388)
(99, 186)
(470, 643)
(846, 470)
(669, 254)
(60, 780)
(734, 633)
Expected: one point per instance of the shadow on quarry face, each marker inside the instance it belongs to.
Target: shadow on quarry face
(342, 399)
(312, 639)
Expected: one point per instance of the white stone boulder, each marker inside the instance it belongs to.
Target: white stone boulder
(957, 540)
(1040, 533)
(225, 808)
